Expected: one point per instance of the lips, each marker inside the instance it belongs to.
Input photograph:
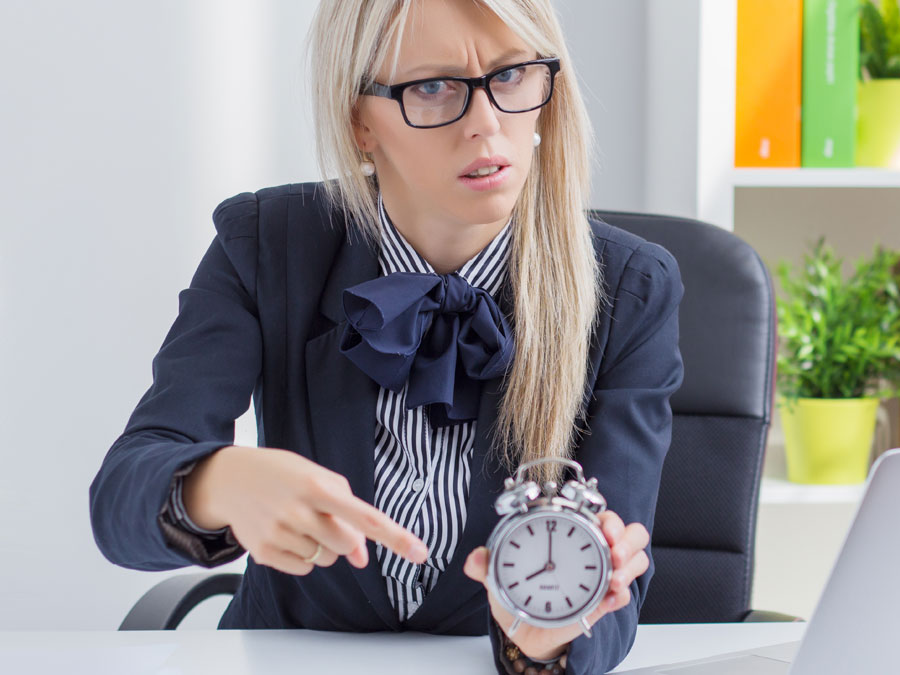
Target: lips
(494, 160)
(486, 183)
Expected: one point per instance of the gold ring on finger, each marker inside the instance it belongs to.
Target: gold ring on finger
(314, 555)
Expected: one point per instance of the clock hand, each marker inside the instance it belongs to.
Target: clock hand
(531, 576)
(550, 564)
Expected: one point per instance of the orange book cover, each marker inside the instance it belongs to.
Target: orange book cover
(768, 86)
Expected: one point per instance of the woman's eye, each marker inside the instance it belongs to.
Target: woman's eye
(509, 76)
(430, 88)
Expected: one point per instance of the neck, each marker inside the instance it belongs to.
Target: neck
(446, 247)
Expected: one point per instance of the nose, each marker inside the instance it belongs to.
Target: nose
(481, 117)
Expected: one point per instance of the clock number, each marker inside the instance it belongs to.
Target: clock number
(551, 526)
(547, 607)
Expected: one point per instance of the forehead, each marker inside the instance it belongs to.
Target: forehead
(453, 37)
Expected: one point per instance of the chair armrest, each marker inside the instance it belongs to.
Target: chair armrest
(168, 602)
(763, 615)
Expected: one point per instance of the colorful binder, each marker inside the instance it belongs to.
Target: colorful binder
(830, 67)
(768, 86)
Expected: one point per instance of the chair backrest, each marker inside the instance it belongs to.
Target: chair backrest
(703, 535)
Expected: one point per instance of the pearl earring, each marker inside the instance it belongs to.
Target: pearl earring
(367, 168)
(537, 139)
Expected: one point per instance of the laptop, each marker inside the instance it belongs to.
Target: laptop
(855, 627)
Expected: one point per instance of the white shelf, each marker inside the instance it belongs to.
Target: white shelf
(690, 120)
(857, 177)
(780, 491)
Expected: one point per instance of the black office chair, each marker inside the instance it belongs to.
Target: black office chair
(703, 537)
(705, 527)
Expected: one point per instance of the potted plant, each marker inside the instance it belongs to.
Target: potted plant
(878, 88)
(839, 353)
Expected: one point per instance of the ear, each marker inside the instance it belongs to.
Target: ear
(365, 139)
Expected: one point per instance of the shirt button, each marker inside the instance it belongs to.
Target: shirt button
(418, 484)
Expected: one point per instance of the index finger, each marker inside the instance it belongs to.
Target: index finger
(377, 526)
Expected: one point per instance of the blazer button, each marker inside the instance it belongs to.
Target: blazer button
(418, 484)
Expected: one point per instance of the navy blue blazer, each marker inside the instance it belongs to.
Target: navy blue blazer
(263, 316)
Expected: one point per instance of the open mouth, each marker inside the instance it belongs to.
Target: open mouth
(486, 178)
(485, 171)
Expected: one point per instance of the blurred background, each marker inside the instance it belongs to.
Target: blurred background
(123, 125)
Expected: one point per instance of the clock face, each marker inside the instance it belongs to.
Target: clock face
(551, 566)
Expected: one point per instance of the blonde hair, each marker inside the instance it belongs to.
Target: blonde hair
(556, 282)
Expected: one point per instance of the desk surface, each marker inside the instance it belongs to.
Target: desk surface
(277, 652)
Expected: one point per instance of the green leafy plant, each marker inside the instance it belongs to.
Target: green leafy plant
(839, 338)
(879, 40)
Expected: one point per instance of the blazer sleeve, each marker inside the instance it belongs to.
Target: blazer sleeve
(203, 378)
(629, 422)
(176, 510)
(630, 427)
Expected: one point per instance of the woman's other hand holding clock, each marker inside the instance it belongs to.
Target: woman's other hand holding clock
(629, 561)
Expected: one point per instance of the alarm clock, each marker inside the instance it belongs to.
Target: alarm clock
(549, 563)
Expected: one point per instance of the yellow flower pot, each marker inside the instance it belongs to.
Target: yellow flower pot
(828, 440)
(878, 123)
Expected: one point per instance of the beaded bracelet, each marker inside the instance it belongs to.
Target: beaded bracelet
(516, 662)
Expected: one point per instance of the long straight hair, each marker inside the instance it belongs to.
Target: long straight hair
(556, 282)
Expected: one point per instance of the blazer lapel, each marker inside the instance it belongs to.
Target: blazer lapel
(342, 402)
(342, 408)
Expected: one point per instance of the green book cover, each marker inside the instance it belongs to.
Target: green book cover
(830, 70)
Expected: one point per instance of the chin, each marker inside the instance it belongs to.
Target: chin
(489, 210)
(504, 198)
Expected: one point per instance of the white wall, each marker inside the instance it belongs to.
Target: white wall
(122, 126)
(671, 96)
(607, 42)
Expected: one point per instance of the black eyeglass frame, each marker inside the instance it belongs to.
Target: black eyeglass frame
(395, 91)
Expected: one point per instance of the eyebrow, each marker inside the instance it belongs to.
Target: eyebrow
(456, 70)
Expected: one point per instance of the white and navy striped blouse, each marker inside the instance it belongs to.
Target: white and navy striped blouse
(421, 474)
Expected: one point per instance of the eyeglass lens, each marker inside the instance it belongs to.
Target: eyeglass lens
(439, 101)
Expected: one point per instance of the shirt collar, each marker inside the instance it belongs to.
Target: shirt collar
(485, 269)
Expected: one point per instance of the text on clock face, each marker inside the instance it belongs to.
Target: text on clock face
(552, 566)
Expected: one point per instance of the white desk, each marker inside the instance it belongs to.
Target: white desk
(277, 652)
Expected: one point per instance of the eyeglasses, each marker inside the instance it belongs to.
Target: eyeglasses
(436, 102)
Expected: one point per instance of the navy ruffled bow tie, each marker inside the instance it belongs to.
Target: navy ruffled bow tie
(435, 331)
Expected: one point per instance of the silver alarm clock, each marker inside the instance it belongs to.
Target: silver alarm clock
(549, 563)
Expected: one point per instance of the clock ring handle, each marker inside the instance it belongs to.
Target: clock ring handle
(582, 492)
(543, 460)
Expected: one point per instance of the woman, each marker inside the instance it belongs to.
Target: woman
(393, 441)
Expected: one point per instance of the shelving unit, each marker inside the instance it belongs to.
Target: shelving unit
(690, 121)
(782, 491)
(690, 172)
(690, 159)
(860, 177)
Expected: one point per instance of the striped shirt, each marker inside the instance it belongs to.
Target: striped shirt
(421, 474)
